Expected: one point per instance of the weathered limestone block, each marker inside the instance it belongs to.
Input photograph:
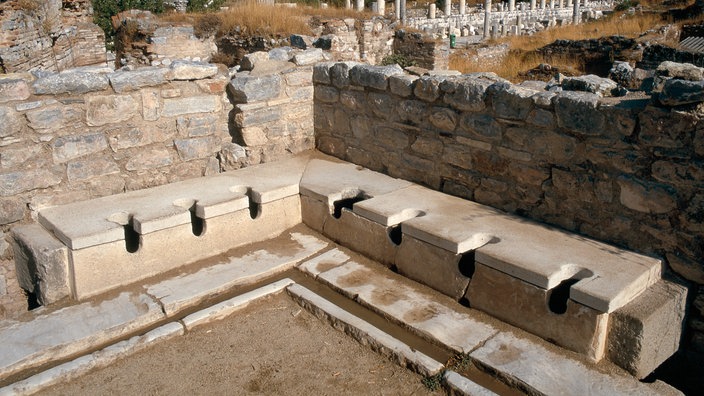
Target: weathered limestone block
(72, 81)
(326, 94)
(151, 104)
(578, 328)
(132, 80)
(110, 109)
(430, 265)
(443, 119)
(578, 112)
(511, 101)
(247, 89)
(340, 74)
(646, 197)
(66, 148)
(647, 331)
(402, 85)
(281, 54)
(11, 210)
(249, 61)
(215, 85)
(246, 117)
(13, 89)
(541, 118)
(11, 122)
(52, 117)
(21, 181)
(301, 76)
(373, 76)
(149, 159)
(190, 149)
(195, 126)
(191, 105)
(42, 263)
(681, 92)
(466, 94)
(190, 70)
(428, 88)
(666, 127)
(90, 168)
(321, 72)
(414, 111)
(684, 71)
(308, 57)
(479, 126)
(589, 83)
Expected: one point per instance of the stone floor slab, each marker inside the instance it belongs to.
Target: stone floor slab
(459, 385)
(62, 333)
(543, 371)
(432, 317)
(364, 332)
(189, 290)
(325, 261)
(82, 365)
(226, 308)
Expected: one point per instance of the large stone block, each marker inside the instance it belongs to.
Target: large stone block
(125, 81)
(681, 92)
(308, 57)
(444, 271)
(53, 117)
(402, 85)
(11, 122)
(428, 88)
(90, 168)
(647, 331)
(191, 105)
(42, 263)
(150, 159)
(373, 76)
(189, 70)
(11, 210)
(466, 94)
(340, 74)
(646, 197)
(247, 89)
(21, 181)
(573, 325)
(589, 83)
(72, 82)
(110, 109)
(511, 101)
(253, 117)
(13, 89)
(321, 72)
(67, 148)
(578, 112)
(190, 149)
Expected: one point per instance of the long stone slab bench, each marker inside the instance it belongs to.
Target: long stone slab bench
(559, 286)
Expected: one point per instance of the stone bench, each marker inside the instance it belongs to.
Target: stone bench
(581, 294)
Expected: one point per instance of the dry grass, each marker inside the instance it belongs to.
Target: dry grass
(517, 62)
(255, 18)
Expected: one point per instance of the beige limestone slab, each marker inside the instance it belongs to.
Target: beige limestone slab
(460, 385)
(185, 291)
(68, 331)
(432, 317)
(226, 308)
(327, 180)
(432, 266)
(364, 332)
(71, 370)
(103, 267)
(610, 277)
(648, 330)
(543, 371)
(101, 220)
(361, 235)
(579, 328)
(314, 213)
(323, 262)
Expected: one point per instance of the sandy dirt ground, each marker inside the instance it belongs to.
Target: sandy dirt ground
(272, 347)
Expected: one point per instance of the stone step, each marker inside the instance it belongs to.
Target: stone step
(84, 326)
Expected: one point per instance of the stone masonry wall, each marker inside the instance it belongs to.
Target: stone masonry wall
(627, 171)
(86, 133)
(424, 52)
(49, 35)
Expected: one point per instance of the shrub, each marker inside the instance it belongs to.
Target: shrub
(397, 59)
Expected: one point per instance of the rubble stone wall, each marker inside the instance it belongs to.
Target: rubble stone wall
(423, 52)
(86, 133)
(49, 35)
(623, 170)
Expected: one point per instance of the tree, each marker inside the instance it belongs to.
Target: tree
(104, 10)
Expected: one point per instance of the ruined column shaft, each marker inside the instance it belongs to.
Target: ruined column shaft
(448, 8)
(431, 10)
(348, 4)
(397, 9)
(532, 5)
(381, 7)
(575, 12)
(487, 17)
(463, 5)
(403, 11)
(511, 5)
(359, 5)
(542, 4)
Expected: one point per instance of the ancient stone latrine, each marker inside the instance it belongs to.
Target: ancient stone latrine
(626, 171)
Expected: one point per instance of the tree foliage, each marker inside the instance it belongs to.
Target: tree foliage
(203, 5)
(104, 10)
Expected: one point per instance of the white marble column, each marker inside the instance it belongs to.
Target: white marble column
(552, 4)
(381, 7)
(431, 10)
(511, 5)
(575, 12)
(359, 5)
(448, 8)
(348, 4)
(487, 17)
(463, 7)
(397, 9)
(532, 5)
(403, 12)
(542, 4)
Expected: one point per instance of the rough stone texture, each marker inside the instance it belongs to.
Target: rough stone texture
(641, 336)
(13, 89)
(373, 76)
(189, 70)
(42, 264)
(245, 89)
(110, 109)
(125, 81)
(622, 170)
(308, 57)
(70, 82)
(681, 92)
(589, 83)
